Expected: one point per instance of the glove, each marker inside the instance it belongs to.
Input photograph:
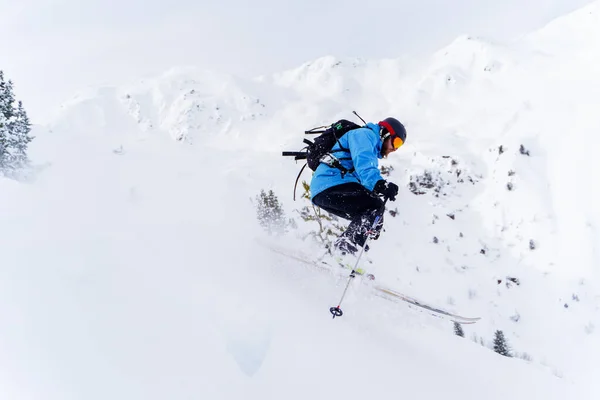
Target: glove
(389, 190)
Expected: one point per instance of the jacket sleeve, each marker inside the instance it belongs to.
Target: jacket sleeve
(363, 150)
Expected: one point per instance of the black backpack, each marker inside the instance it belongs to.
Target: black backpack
(319, 150)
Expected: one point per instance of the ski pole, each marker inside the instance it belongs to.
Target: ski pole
(337, 311)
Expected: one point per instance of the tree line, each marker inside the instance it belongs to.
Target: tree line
(15, 130)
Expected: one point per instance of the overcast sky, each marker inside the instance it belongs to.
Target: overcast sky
(51, 49)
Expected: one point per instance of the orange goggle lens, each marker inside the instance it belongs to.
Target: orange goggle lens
(397, 142)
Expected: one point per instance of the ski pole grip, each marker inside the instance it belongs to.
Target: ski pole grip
(299, 155)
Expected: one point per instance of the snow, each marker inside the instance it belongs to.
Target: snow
(132, 266)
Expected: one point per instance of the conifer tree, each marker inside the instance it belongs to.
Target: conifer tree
(5, 114)
(7, 97)
(3, 140)
(15, 129)
(20, 137)
(269, 213)
(458, 330)
(500, 344)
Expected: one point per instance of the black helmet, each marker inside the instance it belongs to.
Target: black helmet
(392, 127)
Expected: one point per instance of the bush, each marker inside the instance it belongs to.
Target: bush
(386, 170)
(523, 151)
(327, 226)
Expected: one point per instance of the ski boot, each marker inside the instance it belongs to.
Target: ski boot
(344, 255)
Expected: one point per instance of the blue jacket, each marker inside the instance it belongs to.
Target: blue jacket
(365, 150)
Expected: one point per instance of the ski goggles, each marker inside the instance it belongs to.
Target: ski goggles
(397, 142)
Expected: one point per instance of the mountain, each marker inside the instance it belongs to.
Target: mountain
(576, 32)
(134, 267)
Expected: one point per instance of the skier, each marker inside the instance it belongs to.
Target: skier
(354, 192)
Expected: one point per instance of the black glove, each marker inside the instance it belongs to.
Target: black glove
(389, 190)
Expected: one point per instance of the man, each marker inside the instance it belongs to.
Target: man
(354, 193)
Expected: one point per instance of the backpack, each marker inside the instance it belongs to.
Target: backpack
(319, 150)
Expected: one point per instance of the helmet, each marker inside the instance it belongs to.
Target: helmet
(394, 128)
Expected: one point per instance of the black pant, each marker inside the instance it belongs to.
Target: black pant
(354, 202)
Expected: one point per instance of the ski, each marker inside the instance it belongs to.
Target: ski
(319, 264)
(436, 311)
(358, 271)
(378, 290)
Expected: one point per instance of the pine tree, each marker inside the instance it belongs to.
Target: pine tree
(15, 129)
(3, 140)
(458, 330)
(20, 137)
(500, 344)
(7, 97)
(270, 214)
(5, 113)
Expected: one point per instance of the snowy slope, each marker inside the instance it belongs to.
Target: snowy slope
(131, 267)
(121, 282)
